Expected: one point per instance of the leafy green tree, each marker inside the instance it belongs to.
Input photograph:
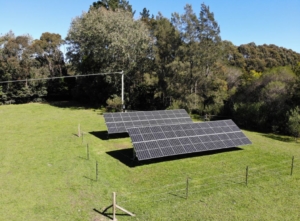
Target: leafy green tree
(22, 58)
(269, 95)
(263, 57)
(143, 98)
(48, 52)
(294, 122)
(17, 63)
(107, 41)
(114, 103)
(297, 69)
(166, 43)
(231, 55)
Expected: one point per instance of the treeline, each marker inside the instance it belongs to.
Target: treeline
(180, 62)
(23, 59)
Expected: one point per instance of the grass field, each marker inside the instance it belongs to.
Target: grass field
(45, 173)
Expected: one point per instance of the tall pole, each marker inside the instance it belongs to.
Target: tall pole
(123, 108)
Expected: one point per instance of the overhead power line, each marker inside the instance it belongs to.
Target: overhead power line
(52, 78)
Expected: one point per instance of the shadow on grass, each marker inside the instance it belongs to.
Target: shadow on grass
(83, 158)
(125, 156)
(91, 179)
(70, 104)
(103, 135)
(279, 137)
(109, 215)
(177, 195)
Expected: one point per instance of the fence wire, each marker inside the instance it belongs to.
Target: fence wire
(206, 185)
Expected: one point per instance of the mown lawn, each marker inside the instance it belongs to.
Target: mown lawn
(45, 173)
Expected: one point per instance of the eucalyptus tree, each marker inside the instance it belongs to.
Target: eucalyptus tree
(17, 62)
(51, 62)
(166, 41)
(197, 58)
(47, 52)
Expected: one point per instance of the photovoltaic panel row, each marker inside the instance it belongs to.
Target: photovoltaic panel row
(167, 140)
(120, 122)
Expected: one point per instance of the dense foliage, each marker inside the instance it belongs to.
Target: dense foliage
(23, 59)
(180, 62)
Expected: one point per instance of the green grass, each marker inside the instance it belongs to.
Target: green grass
(44, 173)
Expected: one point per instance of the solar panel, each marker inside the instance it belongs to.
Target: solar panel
(120, 122)
(167, 140)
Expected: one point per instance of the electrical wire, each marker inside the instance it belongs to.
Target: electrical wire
(52, 78)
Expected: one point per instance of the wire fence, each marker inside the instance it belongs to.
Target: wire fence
(194, 188)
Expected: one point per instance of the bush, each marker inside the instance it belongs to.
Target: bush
(114, 104)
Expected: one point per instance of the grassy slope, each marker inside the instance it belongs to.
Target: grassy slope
(44, 174)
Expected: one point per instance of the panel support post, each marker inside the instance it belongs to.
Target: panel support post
(133, 158)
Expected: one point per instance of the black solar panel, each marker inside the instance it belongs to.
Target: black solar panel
(167, 140)
(120, 122)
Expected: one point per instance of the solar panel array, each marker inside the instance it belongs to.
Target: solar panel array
(167, 140)
(120, 122)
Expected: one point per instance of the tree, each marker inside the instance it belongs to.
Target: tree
(294, 122)
(166, 42)
(107, 41)
(48, 52)
(22, 58)
(114, 103)
(231, 55)
(263, 57)
(17, 63)
(145, 14)
(264, 98)
(198, 55)
(113, 5)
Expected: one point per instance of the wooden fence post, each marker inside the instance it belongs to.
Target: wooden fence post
(247, 176)
(87, 151)
(96, 170)
(79, 132)
(187, 188)
(292, 166)
(114, 206)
